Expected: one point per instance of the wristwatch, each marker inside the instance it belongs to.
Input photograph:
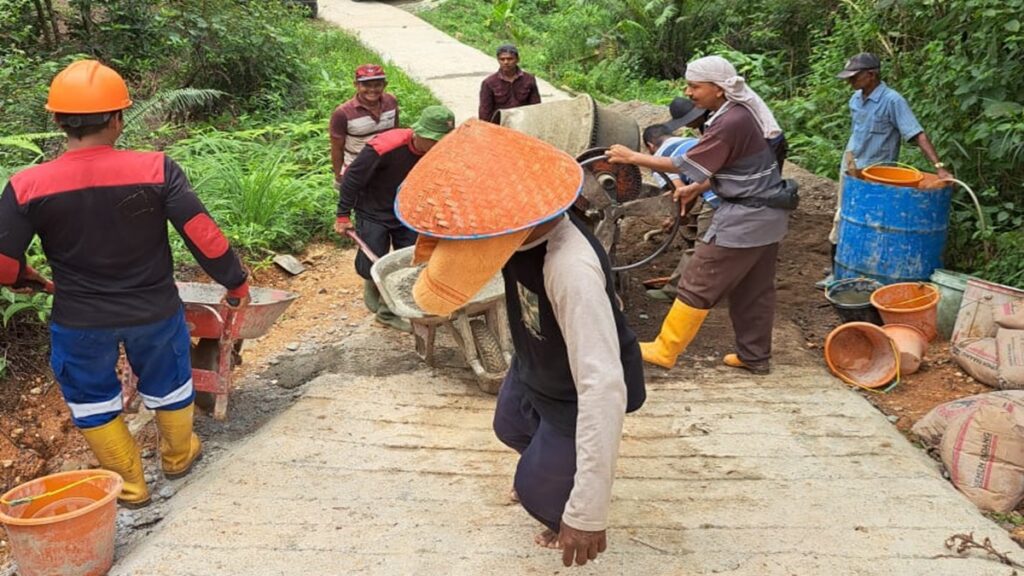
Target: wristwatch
(939, 165)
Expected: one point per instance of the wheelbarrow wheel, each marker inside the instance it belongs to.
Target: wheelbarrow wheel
(491, 356)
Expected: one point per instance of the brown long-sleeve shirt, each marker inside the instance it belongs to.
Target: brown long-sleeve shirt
(497, 93)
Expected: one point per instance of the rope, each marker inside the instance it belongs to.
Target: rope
(933, 294)
(28, 499)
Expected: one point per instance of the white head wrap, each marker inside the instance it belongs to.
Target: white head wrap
(720, 72)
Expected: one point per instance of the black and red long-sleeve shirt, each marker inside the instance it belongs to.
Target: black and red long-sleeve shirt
(372, 180)
(102, 217)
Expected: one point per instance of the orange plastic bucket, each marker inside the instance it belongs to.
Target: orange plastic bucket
(862, 354)
(914, 303)
(893, 175)
(911, 343)
(64, 523)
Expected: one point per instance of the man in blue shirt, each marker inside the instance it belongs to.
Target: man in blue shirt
(882, 120)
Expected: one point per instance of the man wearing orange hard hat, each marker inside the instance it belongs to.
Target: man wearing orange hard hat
(577, 367)
(102, 217)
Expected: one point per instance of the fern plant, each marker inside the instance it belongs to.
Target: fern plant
(175, 103)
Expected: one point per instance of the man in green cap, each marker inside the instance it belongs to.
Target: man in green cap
(370, 186)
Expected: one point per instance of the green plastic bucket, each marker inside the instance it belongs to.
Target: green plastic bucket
(951, 290)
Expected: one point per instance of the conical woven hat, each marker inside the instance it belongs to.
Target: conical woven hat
(483, 180)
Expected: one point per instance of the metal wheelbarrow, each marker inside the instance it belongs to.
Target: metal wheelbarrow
(480, 328)
(220, 330)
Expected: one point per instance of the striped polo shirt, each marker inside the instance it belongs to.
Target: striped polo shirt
(357, 124)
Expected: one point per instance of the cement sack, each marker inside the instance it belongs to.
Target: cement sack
(977, 315)
(983, 450)
(979, 358)
(932, 426)
(1009, 315)
(1010, 351)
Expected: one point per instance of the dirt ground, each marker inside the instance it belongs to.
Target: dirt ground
(36, 436)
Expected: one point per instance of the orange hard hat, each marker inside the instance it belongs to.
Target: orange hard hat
(87, 87)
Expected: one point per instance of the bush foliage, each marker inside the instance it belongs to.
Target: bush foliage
(960, 64)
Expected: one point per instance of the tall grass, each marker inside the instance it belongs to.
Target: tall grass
(260, 195)
(265, 174)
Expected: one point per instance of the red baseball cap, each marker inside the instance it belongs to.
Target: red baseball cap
(368, 72)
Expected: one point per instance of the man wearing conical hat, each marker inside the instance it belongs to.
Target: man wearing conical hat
(577, 367)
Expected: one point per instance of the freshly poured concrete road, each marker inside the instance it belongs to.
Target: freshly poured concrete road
(390, 468)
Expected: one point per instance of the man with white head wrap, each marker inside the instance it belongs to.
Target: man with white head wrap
(737, 258)
(717, 70)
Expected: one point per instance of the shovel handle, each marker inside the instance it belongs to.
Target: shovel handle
(362, 245)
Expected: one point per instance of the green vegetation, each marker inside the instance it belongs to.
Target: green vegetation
(239, 94)
(960, 63)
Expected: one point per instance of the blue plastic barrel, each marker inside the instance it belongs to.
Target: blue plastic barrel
(891, 233)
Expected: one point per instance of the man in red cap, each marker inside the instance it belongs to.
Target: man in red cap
(102, 217)
(368, 113)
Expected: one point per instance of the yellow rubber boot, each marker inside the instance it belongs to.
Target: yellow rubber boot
(734, 361)
(179, 446)
(677, 331)
(116, 450)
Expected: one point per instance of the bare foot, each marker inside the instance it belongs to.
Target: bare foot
(547, 539)
(513, 496)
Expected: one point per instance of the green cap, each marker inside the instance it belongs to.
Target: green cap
(434, 123)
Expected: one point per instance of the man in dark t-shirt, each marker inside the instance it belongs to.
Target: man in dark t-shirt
(102, 216)
(369, 188)
(509, 87)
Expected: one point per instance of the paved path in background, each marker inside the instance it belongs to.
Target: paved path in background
(388, 467)
(452, 70)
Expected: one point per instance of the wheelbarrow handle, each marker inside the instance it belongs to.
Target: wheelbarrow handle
(38, 286)
(362, 245)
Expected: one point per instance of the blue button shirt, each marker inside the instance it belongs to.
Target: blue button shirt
(880, 124)
(674, 146)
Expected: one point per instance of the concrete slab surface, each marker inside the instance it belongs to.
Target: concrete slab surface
(719, 474)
